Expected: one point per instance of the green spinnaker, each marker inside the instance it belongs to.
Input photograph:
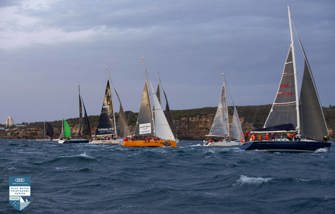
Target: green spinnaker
(67, 130)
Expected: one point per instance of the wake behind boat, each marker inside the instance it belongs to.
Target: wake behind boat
(220, 134)
(293, 124)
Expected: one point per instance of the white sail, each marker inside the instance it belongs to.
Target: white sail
(220, 125)
(162, 127)
(236, 128)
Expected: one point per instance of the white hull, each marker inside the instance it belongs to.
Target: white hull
(223, 143)
(118, 141)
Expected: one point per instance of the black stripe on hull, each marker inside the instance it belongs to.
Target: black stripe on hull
(76, 141)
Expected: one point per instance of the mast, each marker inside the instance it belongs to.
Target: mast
(114, 121)
(149, 94)
(80, 113)
(294, 70)
(44, 130)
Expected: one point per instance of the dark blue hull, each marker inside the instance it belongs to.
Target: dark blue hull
(285, 146)
(76, 141)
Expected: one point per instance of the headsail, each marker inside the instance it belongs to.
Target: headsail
(66, 130)
(106, 123)
(220, 125)
(236, 128)
(162, 127)
(144, 124)
(123, 129)
(283, 110)
(86, 130)
(168, 114)
(313, 123)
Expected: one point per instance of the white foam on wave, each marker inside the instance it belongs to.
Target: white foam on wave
(61, 168)
(252, 180)
(196, 145)
(84, 155)
(81, 155)
(321, 150)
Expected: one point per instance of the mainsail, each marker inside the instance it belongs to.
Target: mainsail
(123, 129)
(236, 129)
(106, 120)
(313, 124)
(220, 125)
(283, 110)
(144, 124)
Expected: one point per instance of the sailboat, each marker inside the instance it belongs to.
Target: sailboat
(107, 131)
(152, 128)
(84, 130)
(293, 124)
(220, 133)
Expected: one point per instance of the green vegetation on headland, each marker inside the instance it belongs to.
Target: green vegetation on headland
(189, 123)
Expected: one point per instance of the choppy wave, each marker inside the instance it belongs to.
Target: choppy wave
(188, 179)
(321, 150)
(253, 180)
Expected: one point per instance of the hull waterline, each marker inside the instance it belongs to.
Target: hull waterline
(149, 143)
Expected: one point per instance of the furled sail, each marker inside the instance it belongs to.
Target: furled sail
(144, 125)
(283, 110)
(236, 128)
(162, 127)
(313, 124)
(123, 129)
(220, 125)
(106, 124)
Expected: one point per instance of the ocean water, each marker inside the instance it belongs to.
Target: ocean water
(86, 178)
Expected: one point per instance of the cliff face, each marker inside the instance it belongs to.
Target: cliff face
(189, 124)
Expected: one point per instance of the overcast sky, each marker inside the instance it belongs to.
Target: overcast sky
(48, 47)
